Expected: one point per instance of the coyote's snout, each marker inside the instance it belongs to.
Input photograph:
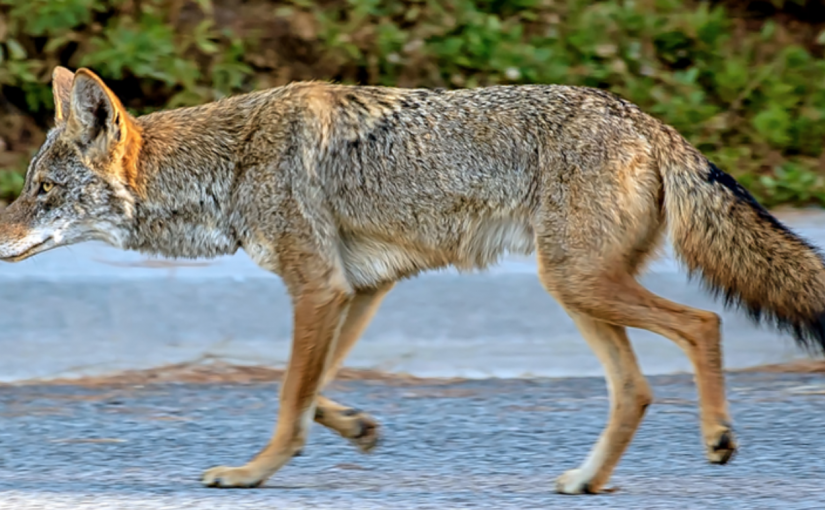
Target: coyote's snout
(344, 190)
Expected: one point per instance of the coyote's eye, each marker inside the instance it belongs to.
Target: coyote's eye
(45, 187)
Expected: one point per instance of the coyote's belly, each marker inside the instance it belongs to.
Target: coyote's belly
(481, 242)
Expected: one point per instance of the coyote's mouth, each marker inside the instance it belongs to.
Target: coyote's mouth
(40, 247)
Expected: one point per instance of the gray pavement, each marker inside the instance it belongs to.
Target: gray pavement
(90, 309)
(485, 444)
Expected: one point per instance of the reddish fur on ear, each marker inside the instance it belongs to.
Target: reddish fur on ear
(100, 123)
(131, 150)
(85, 73)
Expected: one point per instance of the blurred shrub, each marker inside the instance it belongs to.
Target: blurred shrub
(747, 88)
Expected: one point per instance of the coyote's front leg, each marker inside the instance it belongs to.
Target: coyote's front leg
(319, 308)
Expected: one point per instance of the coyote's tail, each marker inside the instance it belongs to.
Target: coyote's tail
(741, 251)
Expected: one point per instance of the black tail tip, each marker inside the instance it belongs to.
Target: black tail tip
(807, 331)
(810, 334)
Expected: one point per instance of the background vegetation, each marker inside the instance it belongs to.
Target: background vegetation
(744, 81)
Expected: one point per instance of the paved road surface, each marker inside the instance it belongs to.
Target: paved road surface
(486, 444)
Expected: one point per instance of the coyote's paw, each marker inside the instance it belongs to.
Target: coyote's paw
(363, 430)
(358, 427)
(573, 482)
(720, 445)
(234, 477)
(577, 481)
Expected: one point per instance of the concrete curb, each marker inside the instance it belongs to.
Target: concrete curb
(90, 310)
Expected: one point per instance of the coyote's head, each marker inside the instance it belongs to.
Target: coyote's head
(80, 184)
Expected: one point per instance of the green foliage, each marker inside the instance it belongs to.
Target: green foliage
(11, 182)
(120, 43)
(792, 183)
(753, 101)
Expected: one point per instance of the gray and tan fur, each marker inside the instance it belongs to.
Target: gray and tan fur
(344, 190)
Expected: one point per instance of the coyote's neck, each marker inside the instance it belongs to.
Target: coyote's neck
(185, 170)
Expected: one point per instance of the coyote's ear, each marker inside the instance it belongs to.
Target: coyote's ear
(62, 90)
(97, 121)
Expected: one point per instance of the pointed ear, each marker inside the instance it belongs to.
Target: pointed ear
(97, 120)
(62, 89)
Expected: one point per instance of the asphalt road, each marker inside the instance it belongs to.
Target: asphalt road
(496, 444)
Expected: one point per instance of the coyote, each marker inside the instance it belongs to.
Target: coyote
(344, 190)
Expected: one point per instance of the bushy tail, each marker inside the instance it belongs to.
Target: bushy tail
(739, 249)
